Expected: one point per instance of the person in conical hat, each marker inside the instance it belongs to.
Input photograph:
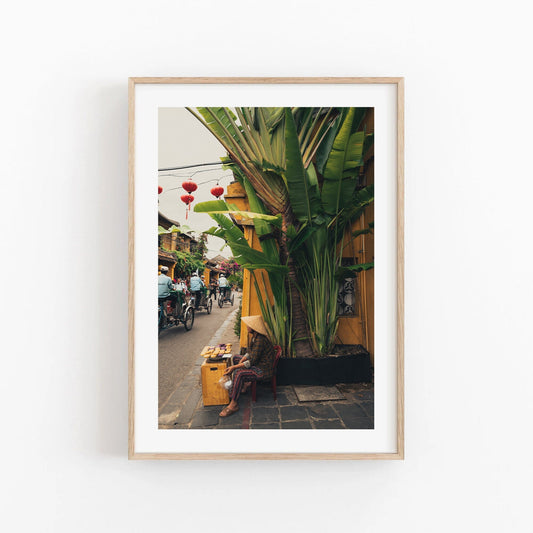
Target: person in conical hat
(255, 365)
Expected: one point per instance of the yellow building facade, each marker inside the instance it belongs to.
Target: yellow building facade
(354, 328)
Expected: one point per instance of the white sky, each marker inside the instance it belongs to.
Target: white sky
(184, 141)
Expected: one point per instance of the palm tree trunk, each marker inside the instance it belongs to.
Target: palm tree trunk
(300, 328)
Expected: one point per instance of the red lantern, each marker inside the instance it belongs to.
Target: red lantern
(187, 199)
(189, 186)
(159, 189)
(217, 191)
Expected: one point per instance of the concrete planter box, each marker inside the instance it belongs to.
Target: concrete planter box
(328, 370)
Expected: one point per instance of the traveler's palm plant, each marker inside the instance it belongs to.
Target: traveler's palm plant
(299, 168)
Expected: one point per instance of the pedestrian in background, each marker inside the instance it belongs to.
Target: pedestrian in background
(180, 285)
(213, 287)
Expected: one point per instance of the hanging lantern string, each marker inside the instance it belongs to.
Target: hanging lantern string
(200, 183)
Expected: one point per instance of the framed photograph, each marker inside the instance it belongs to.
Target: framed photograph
(266, 268)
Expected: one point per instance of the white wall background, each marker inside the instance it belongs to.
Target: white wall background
(469, 365)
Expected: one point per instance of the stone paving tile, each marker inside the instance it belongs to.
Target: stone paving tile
(358, 423)
(188, 409)
(265, 414)
(367, 395)
(288, 391)
(321, 411)
(336, 423)
(228, 426)
(263, 397)
(293, 412)
(175, 401)
(368, 407)
(266, 425)
(204, 418)
(297, 424)
(209, 408)
(357, 392)
(353, 416)
(349, 410)
(286, 399)
(235, 418)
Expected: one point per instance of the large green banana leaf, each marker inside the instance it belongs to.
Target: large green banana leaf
(243, 149)
(220, 120)
(349, 271)
(354, 152)
(305, 201)
(269, 267)
(337, 190)
(360, 200)
(232, 234)
(221, 207)
(324, 149)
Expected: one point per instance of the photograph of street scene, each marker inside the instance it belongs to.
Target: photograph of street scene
(266, 268)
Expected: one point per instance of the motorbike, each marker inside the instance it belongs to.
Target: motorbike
(205, 302)
(173, 312)
(225, 296)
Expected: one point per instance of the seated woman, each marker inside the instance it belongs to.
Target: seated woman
(255, 365)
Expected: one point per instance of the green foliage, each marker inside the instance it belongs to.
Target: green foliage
(275, 314)
(302, 163)
(319, 289)
(237, 323)
(221, 207)
(201, 248)
(303, 191)
(186, 262)
(236, 279)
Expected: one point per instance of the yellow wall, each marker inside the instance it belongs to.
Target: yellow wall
(209, 275)
(359, 329)
(250, 302)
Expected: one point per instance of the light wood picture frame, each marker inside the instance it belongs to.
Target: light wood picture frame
(146, 95)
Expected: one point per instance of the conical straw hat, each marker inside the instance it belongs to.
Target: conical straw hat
(256, 323)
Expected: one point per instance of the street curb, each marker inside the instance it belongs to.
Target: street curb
(220, 331)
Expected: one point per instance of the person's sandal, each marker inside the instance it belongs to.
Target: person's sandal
(227, 412)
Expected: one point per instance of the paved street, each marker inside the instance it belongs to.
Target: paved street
(355, 411)
(184, 409)
(179, 349)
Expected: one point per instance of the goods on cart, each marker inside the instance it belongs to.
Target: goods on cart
(216, 351)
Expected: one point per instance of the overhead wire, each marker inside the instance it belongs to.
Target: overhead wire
(199, 183)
